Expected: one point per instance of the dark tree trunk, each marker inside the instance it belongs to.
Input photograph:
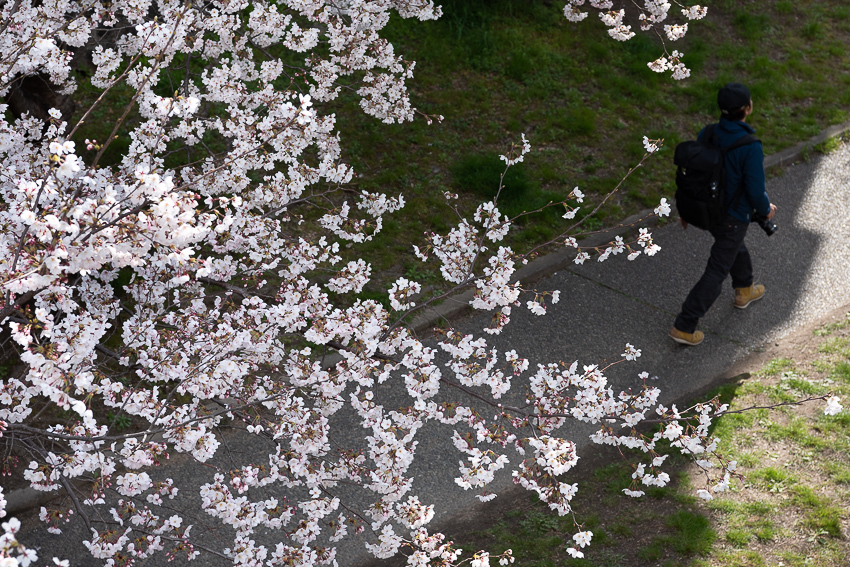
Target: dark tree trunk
(35, 94)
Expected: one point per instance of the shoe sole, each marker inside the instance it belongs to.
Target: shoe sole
(747, 304)
(685, 341)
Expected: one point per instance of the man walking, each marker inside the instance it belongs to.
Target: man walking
(744, 169)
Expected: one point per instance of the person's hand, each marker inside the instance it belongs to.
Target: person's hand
(772, 211)
(684, 223)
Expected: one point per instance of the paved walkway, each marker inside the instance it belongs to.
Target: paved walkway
(605, 305)
(805, 268)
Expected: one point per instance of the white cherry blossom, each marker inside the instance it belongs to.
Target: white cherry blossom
(182, 309)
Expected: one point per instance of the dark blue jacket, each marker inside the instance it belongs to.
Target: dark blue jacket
(743, 165)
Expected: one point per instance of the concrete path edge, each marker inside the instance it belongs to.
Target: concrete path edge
(535, 270)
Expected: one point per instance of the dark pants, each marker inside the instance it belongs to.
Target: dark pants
(729, 256)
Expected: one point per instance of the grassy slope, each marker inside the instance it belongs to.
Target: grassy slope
(499, 68)
(504, 67)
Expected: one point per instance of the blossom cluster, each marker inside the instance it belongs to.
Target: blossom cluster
(12, 552)
(651, 14)
(673, 64)
(189, 242)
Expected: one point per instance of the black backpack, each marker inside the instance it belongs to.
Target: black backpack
(700, 179)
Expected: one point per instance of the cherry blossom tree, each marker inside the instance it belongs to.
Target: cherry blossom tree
(196, 300)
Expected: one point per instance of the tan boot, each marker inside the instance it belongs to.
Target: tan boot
(683, 338)
(746, 295)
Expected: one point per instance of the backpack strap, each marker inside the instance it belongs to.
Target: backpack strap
(742, 141)
(709, 135)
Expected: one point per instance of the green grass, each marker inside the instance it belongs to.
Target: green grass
(742, 559)
(500, 68)
(841, 372)
(776, 366)
(837, 345)
(798, 383)
(828, 329)
(839, 473)
(821, 517)
(829, 145)
(749, 526)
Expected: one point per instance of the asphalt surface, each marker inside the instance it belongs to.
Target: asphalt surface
(606, 305)
(804, 267)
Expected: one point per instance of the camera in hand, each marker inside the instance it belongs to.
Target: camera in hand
(767, 225)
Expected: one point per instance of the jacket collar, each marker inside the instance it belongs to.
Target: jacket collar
(733, 126)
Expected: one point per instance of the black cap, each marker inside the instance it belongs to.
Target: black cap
(732, 97)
